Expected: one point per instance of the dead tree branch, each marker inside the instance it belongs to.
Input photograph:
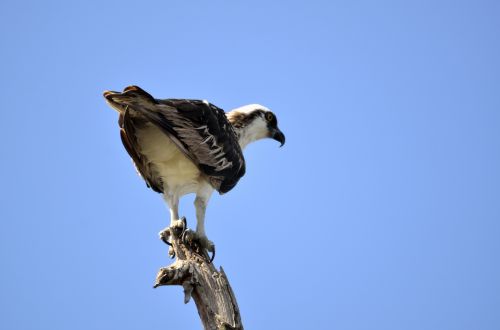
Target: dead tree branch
(209, 288)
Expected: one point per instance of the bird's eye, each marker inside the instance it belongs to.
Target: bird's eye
(269, 116)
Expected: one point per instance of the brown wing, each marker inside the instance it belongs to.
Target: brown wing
(127, 134)
(200, 129)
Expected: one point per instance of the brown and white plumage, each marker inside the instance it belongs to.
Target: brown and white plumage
(184, 146)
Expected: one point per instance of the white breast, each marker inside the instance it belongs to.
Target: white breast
(178, 173)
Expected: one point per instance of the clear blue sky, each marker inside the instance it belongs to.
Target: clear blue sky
(382, 211)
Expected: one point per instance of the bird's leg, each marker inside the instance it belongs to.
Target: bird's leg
(200, 204)
(198, 237)
(201, 207)
(173, 204)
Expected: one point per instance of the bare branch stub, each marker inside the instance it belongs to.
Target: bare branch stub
(209, 287)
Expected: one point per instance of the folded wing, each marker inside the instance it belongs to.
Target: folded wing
(200, 130)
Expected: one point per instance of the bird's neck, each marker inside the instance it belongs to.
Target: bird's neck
(244, 137)
(247, 128)
(247, 135)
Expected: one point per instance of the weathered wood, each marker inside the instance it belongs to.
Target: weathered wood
(209, 288)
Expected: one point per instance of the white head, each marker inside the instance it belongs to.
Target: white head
(253, 122)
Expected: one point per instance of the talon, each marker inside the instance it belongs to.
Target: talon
(184, 226)
(171, 252)
(209, 246)
(188, 236)
(213, 256)
(164, 235)
(200, 244)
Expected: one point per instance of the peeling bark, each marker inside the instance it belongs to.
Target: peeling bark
(208, 287)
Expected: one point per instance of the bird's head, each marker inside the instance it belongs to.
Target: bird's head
(253, 122)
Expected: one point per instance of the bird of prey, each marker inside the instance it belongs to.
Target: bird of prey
(182, 146)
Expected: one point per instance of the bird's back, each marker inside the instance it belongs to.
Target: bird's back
(200, 131)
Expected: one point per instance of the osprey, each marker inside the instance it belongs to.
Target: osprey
(182, 146)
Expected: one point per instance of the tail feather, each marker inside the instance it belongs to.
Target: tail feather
(131, 96)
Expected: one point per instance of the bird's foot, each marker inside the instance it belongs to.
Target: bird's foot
(180, 224)
(178, 227)
(199, 242)
(164, 235)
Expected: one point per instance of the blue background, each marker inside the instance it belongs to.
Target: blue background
(381, 212)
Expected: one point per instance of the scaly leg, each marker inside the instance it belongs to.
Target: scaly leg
(200, 203)
(173, 204)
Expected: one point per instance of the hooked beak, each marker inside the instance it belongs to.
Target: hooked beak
(278, 135)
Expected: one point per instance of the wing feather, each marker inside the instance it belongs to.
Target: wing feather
(200, 130)
(128, 137)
